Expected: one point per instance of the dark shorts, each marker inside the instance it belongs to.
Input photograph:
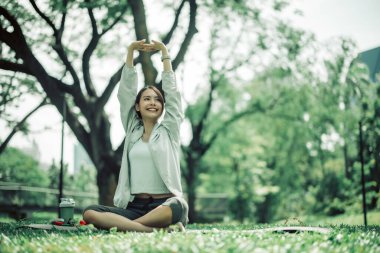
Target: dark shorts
(140, 207)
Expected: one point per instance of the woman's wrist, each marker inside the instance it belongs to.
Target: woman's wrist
(129, 60)
(164, 52)
(131, 48)
(163, 58)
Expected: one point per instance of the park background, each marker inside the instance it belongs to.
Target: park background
(272, 109)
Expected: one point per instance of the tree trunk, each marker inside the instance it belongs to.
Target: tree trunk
(105, 160)
(191, 199)
(375, 173)
(107, 185)
(239, 201)
(375, 169)
(192, 166)
(94, 134)
(347, 170)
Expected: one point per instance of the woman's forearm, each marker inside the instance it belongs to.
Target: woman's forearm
(139, 45)
(166, 61)
(129, 60)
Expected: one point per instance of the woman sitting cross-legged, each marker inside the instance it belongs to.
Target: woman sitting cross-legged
(149, 193)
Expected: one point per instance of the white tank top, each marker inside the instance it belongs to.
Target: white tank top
(145, 177)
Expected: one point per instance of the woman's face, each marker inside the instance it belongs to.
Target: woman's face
(149, 106)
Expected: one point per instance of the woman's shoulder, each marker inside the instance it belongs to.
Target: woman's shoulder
(163, 133)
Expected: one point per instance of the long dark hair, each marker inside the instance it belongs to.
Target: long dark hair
(160, 94)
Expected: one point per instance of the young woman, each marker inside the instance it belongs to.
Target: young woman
(149, 192)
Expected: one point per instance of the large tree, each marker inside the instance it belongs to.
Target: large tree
(14, 88)
(30, 31)
(33, 31)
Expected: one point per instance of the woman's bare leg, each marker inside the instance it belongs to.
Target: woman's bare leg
(107, 220)
(159, 217)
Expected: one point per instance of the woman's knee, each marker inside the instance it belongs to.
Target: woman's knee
(90, 215)
(179, 209)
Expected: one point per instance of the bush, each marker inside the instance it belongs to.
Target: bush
(17, 167)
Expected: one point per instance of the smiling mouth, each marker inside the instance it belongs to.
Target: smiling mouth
(152, 110)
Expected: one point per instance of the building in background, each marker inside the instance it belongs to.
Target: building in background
(81, 158)
(32, 150)
(371, 58)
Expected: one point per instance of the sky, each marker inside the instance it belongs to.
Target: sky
(358, 19)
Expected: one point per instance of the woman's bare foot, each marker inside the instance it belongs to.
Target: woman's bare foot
(178, 227)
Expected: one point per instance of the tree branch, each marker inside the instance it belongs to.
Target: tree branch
(11, 66)
(192, 30)
(226, 124)
(65, 60)
(92, 19)
(100, 103)
(255, 108)
(19, 125)
(115, 78)
(215, 79)
(88, 53)
(197, 130)
(232, 49)
(53, 87)
(138, 11)
(116, 20)
(7, 37)
(15, 67)
(6, 96)
(44, 17)
(241, 62)
(17, 42)
(96, 36)
(119, 151)
(80, 132)
(63, 20)
(58, 47)
(169, 35)
(65, 87)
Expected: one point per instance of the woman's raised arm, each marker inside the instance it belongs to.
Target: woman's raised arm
(136, 45)
(159, 46)
(128, 85)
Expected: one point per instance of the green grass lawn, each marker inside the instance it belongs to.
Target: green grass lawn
(197, 238)
(373, 218)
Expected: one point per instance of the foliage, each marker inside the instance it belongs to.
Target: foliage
(43, 41)
(53, 174)
(307, 141)
(17, 167)
(82, 181)
(13, 90)
(16, 88)
(316, 137)
(238, 170)
(276, 121)
(229, 97)
(336, 194)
